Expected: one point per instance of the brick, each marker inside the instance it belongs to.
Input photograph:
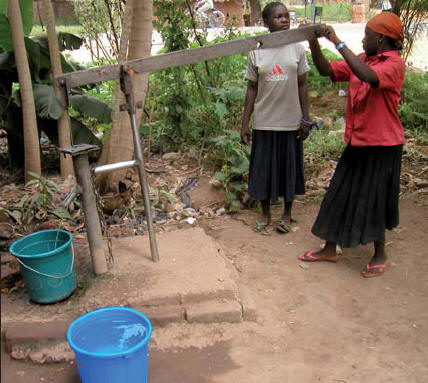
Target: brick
(33, 332)
(228, 293)
(214, 312)
(155, 300)
(162, 315)
(249, 310)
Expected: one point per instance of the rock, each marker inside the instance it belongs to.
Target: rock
(4, 217)
(6, 230)
(341, 122)
(68, 184)
(221, 211)
(172, 156)
(10, 274)
(190, 212)
(216, 183)
(328, 122)
(336, 132)
(420, 182)
(304, 266)
(205, 194)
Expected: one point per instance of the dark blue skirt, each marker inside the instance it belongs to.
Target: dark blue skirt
(276, 165)
(362, 199)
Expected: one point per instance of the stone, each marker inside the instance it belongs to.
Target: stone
(214, 312)
(249, 310)
(172, 156)
(205, 194)
(162, 315)
(33, 332)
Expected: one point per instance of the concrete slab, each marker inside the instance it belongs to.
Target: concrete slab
(192, 270)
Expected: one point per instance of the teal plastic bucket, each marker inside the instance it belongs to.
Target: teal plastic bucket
(46, 260)
(111, 345)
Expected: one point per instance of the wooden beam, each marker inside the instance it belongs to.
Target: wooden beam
(188, 56)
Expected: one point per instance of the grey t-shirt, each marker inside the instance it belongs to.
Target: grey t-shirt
(277, 106)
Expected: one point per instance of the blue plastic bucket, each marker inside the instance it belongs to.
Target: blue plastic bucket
(46, 260)
(111, 345)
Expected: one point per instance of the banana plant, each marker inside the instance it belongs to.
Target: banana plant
(48, 106)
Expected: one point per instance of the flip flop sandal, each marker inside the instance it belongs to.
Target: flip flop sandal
(310, 257)
(282, 227)
(262, 228)
(379, 270)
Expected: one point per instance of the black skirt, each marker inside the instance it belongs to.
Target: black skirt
(276, 165)
(362, 199)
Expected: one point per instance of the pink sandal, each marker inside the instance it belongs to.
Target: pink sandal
(380, 270)
(309, 257)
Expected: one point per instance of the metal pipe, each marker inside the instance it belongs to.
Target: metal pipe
(145, 189)
(127, 89)
(116, 166)
(92, 222)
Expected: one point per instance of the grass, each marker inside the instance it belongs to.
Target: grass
(340, 12)
(68, 25)
(324, 145)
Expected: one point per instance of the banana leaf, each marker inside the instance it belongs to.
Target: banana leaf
(92, 107)
(66, 41)
(47, 103)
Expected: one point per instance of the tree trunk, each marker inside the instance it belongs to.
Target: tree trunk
(64, 133)
(119, 146)
(31, 134)
(256, 11)
(119, 98)
(396, 6)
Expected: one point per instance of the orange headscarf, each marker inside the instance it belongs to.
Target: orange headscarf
(388, 24)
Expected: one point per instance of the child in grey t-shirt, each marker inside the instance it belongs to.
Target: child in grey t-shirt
(277, 94)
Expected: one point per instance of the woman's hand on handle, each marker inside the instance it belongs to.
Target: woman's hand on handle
(330, 34)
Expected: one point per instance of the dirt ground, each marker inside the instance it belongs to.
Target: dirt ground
(316, 322)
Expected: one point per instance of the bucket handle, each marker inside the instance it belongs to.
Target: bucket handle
(47, 275)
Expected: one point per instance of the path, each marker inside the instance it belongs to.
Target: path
(316, 322)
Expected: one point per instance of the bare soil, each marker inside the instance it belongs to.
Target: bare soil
(316, 322)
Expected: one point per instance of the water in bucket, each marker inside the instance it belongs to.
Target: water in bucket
(111, 345)
(119, 335)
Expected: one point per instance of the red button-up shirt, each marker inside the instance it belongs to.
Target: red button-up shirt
(372, 113)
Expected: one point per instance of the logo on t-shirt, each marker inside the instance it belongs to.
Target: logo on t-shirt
(276, 74)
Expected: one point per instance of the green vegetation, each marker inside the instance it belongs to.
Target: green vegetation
(414, 106)
(200, 106)
(48, 106)
(39, 204)
(74, 29)
(339, 13)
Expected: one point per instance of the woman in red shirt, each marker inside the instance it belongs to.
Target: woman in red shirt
(362, 199)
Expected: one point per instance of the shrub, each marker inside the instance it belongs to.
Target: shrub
(414, 106)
